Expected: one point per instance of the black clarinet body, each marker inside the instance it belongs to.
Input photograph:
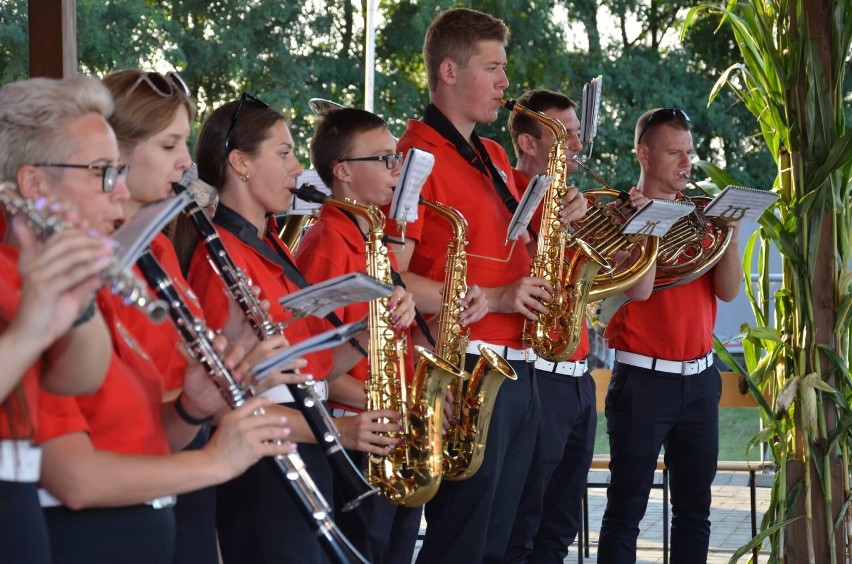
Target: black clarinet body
(355, 486)
(199, 341)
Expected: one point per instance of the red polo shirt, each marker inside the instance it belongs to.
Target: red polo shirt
(456, 183)
(123, 415)
(162, 338)
(18, 409)
(264, 273)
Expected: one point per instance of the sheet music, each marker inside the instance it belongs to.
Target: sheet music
(321, 299)
(656, 217)
(135, 235)
(736, 203)
(299, 206)
(527, 206)
(324, 340)
(416, 169)
(591, 105)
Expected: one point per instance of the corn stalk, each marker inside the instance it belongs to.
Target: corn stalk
(797, 354)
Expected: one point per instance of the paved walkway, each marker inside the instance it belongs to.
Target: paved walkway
(730, 517)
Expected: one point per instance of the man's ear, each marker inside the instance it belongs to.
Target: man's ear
(340, 170)
(526, 143)
(32, 182)
(447, 71)
(642, 154)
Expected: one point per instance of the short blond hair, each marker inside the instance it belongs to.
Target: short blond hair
(34, 116)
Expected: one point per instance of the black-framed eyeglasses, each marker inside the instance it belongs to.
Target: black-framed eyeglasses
(663, 115)
(109, 173)
(245, 97)
(165, 86)
(390, 160)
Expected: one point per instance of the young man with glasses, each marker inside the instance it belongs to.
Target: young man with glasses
(665, 389)
(355, 155)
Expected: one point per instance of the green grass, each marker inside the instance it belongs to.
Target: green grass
(737, 425)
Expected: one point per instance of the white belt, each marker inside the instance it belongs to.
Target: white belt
(47, 499)
(338, 412)
(527, 355)
(281, 394)
(684, 367)
(20, 461)
(575, 368)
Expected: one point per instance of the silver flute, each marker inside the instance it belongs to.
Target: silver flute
(121, 282)
(199, 341)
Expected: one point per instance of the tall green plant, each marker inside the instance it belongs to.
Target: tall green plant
(797, 355)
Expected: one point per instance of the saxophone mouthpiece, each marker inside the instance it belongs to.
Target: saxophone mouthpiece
(508, 103)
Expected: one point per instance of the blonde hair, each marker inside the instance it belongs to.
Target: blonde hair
(34, 115)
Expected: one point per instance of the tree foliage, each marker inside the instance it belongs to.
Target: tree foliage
(287, 53)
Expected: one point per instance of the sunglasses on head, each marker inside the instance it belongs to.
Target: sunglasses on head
(663, 115)
(244, 98)
(165, 86)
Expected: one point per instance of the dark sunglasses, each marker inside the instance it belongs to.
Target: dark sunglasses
(244, 98)
(663, 115)
(165, 86)
(109, 173)
(390, 160)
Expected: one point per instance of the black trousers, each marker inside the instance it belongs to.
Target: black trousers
(23, 531)
(470, 520)
(195, 519)
(138, 534)
(384, 533)
(259, 521)
(550, 511)
(645, 410)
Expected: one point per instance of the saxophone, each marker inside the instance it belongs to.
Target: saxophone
(411, 474)
(556, 334)
(464, 441)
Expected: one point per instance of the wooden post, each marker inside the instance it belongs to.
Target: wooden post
(52, 38)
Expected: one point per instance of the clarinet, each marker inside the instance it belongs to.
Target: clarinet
(199, 342)
(351, 479)
(121, 282)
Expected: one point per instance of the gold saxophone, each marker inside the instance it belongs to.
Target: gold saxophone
(556, 334)
(473, 404)
(411, 474)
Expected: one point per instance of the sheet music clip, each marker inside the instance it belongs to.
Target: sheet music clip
(416, 169)
(591, 106)
(527, 206)
(321, 299)
(134, 236)
(322, 341)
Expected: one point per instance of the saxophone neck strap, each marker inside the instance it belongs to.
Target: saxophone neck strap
(479, 158)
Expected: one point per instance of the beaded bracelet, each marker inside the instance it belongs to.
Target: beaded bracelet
(183, 414)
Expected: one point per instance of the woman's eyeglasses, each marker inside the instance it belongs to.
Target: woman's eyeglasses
(390, 160)
(243, 99)
(109, 173)
(663, 115)
(165, 86)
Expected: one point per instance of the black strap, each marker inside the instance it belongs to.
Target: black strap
(236, 224)
(397, 280)
(479, 158)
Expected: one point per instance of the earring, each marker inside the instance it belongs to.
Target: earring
(244, 177)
